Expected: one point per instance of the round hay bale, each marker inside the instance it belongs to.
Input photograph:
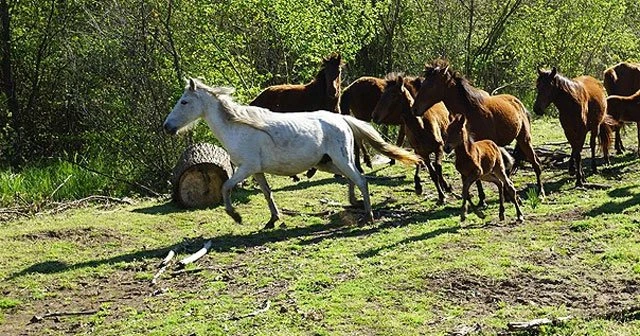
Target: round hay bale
(199, 174)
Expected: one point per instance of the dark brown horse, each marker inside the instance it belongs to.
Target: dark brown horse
(622, 79)
(501, 118)
(424, 133)
(625, 109)
(480, 160)
(320, 94)
(360, 98)
(582, 104)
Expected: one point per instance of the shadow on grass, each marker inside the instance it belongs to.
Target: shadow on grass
(424, 236)
(230, 242)
(616, 207)
(239, 195)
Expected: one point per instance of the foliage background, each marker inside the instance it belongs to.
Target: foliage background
(91, 82)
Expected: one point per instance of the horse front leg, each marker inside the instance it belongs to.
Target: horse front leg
(240, 175)
(264, 186)
(577, 159)
(417, 183)
(466, 184)
(638, 130)
(437, 165)
(436, 182)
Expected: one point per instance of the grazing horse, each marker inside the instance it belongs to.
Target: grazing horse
(480, 160)
(260, 141)
(320, 94)
(622, 79)
(360, 98)
(582, 104)
(424, 133)
(501, 118)
(625, 109)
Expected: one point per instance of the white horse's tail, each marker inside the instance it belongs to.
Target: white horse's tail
(362, 131)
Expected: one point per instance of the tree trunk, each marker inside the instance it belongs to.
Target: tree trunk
(199, 174)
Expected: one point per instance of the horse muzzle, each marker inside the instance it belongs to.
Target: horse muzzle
(170, 129)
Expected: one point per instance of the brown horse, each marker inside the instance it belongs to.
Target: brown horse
(360, 98)
(625, 109)
(582, 104)
(622, 79)
(424, 133)
(501, 118)
(480, 160)
(320, 94)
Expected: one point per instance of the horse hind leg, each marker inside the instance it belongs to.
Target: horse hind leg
(529, 153)
(348, 170)
(264, 186)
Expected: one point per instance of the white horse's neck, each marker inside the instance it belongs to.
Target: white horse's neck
(216, 117)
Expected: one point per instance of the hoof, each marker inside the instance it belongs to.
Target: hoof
(482, 205)
(520, 219)
(501, 216)
(392, 162)
(236, 216)
(295, 178)
(418, 189)
(311, 172)
(441, 201)
(463, 217)
(269, 226)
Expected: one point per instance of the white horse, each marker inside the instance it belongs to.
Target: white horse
(260, 141)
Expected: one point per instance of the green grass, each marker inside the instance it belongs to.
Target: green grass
(56, 181)
(416, 270)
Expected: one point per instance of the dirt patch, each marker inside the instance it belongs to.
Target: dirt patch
(587, 296)
(82, 235)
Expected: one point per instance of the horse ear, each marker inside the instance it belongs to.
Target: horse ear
(399, 80)
(192, 84)
(554, 71)
(540, 72)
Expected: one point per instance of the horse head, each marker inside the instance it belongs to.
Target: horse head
(433, 86)
(332, 69)
(546, 90)
(192, 105)
(456, 133)
(395, 98)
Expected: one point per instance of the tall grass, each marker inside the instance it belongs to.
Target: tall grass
(55, 181)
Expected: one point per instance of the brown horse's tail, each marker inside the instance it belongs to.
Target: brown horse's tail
(345, 102)
(507, 160)
(363, 131)
(606, 131)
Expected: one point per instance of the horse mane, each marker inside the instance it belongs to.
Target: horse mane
(248, 115)
(568, 85)
(412, 83)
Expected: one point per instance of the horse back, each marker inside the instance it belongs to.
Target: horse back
(363, 95)
(503, 120)
(294, 98)
(622, 79)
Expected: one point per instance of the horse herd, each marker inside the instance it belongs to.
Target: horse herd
(437, 112)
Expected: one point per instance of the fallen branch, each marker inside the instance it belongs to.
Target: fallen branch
(197, 255)
(38, 318)
(263, 308)
(164, 264)
(534, 324)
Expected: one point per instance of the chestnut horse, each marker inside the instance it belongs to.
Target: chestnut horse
(480, 160)
(622, 79)
(360, 98)
(582, 104)
(320, 94)
(424, 133)
(501, 118)
(625, 109)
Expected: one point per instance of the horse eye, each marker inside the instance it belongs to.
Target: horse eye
(184, 102)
